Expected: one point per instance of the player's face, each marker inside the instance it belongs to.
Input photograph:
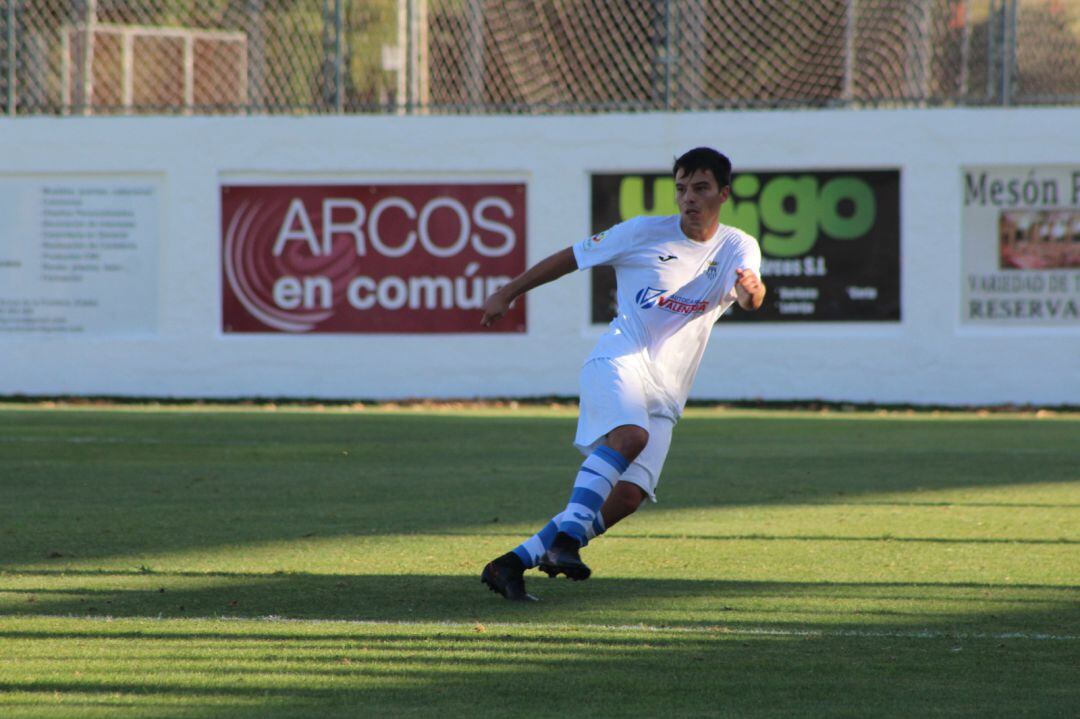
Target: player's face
(699, 196)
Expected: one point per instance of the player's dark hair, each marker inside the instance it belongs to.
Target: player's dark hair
(705, 158)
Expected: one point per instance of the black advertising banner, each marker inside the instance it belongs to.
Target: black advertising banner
(830, 240)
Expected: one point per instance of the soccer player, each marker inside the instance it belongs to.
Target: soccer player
(675, 276)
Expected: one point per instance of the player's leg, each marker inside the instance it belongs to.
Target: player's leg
(555, 547)
(612, 426)
(504, 575)
(597, 477)
(612, 421)
(636, 484)
(623, 501)
(625, 496)
(581, 520)
(592, 486)
(639, 482)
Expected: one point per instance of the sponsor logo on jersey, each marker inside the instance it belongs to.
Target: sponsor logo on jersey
(668, 258)
(682, 305)
(651, 297)
(647, 297)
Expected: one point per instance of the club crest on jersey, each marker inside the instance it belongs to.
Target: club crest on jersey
(711, 270)
(648, 297)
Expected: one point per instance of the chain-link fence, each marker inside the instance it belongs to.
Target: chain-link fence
(530, 56)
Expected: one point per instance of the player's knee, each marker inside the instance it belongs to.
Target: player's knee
(628, 440)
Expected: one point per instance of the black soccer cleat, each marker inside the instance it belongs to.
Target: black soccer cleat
(505, 576)
(563, 558)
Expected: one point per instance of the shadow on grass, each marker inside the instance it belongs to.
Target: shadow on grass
(715, 679)
(101, 484)
(280, 670)
(825, 677)
(463, 599)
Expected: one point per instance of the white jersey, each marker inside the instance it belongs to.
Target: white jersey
(671, 290)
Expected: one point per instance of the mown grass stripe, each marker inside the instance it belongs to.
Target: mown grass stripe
(644, 628)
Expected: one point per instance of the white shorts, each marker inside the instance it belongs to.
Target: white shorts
(614, 393)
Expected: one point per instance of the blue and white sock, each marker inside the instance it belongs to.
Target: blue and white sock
(532, 549)
(581, 519)
(595, 480)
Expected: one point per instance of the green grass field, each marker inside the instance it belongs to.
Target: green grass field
(301, 563)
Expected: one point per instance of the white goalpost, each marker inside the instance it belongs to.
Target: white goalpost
(194, 67)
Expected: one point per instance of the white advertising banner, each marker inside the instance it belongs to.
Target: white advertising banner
(1021, 246)
(79, 254)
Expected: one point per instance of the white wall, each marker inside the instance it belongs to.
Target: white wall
(928, 357)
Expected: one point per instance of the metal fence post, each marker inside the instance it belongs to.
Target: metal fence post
(401, 87)
(416, 57)
(965, 55)
(474, 55)
(86, 93)
(1008, 50)
(993, 23)
(926, 62)
(12, 78)
(660, 81)
(919, 57)
(410, 56)
(257, 65)
(849, 50)
(339, 56)
(669, 48)
(330, 66)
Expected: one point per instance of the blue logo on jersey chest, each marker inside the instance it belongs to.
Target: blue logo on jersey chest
(648, 297)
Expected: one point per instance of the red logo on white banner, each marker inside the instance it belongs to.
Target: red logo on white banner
(369, 258)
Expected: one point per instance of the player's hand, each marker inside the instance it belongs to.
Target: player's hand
(495, 306)
(748, 281)
(749, 289)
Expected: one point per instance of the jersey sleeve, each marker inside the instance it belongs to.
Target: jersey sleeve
(748, 257)
(605, 248)
(751, 256)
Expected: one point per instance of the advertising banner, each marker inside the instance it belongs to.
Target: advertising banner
(79, 255)
(1021, 246)
(830, 240)
(391, 258)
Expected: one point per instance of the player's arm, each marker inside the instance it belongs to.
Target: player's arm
(551, 268)
(749, 289)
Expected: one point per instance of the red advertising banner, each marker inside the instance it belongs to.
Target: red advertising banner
(391, 258)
